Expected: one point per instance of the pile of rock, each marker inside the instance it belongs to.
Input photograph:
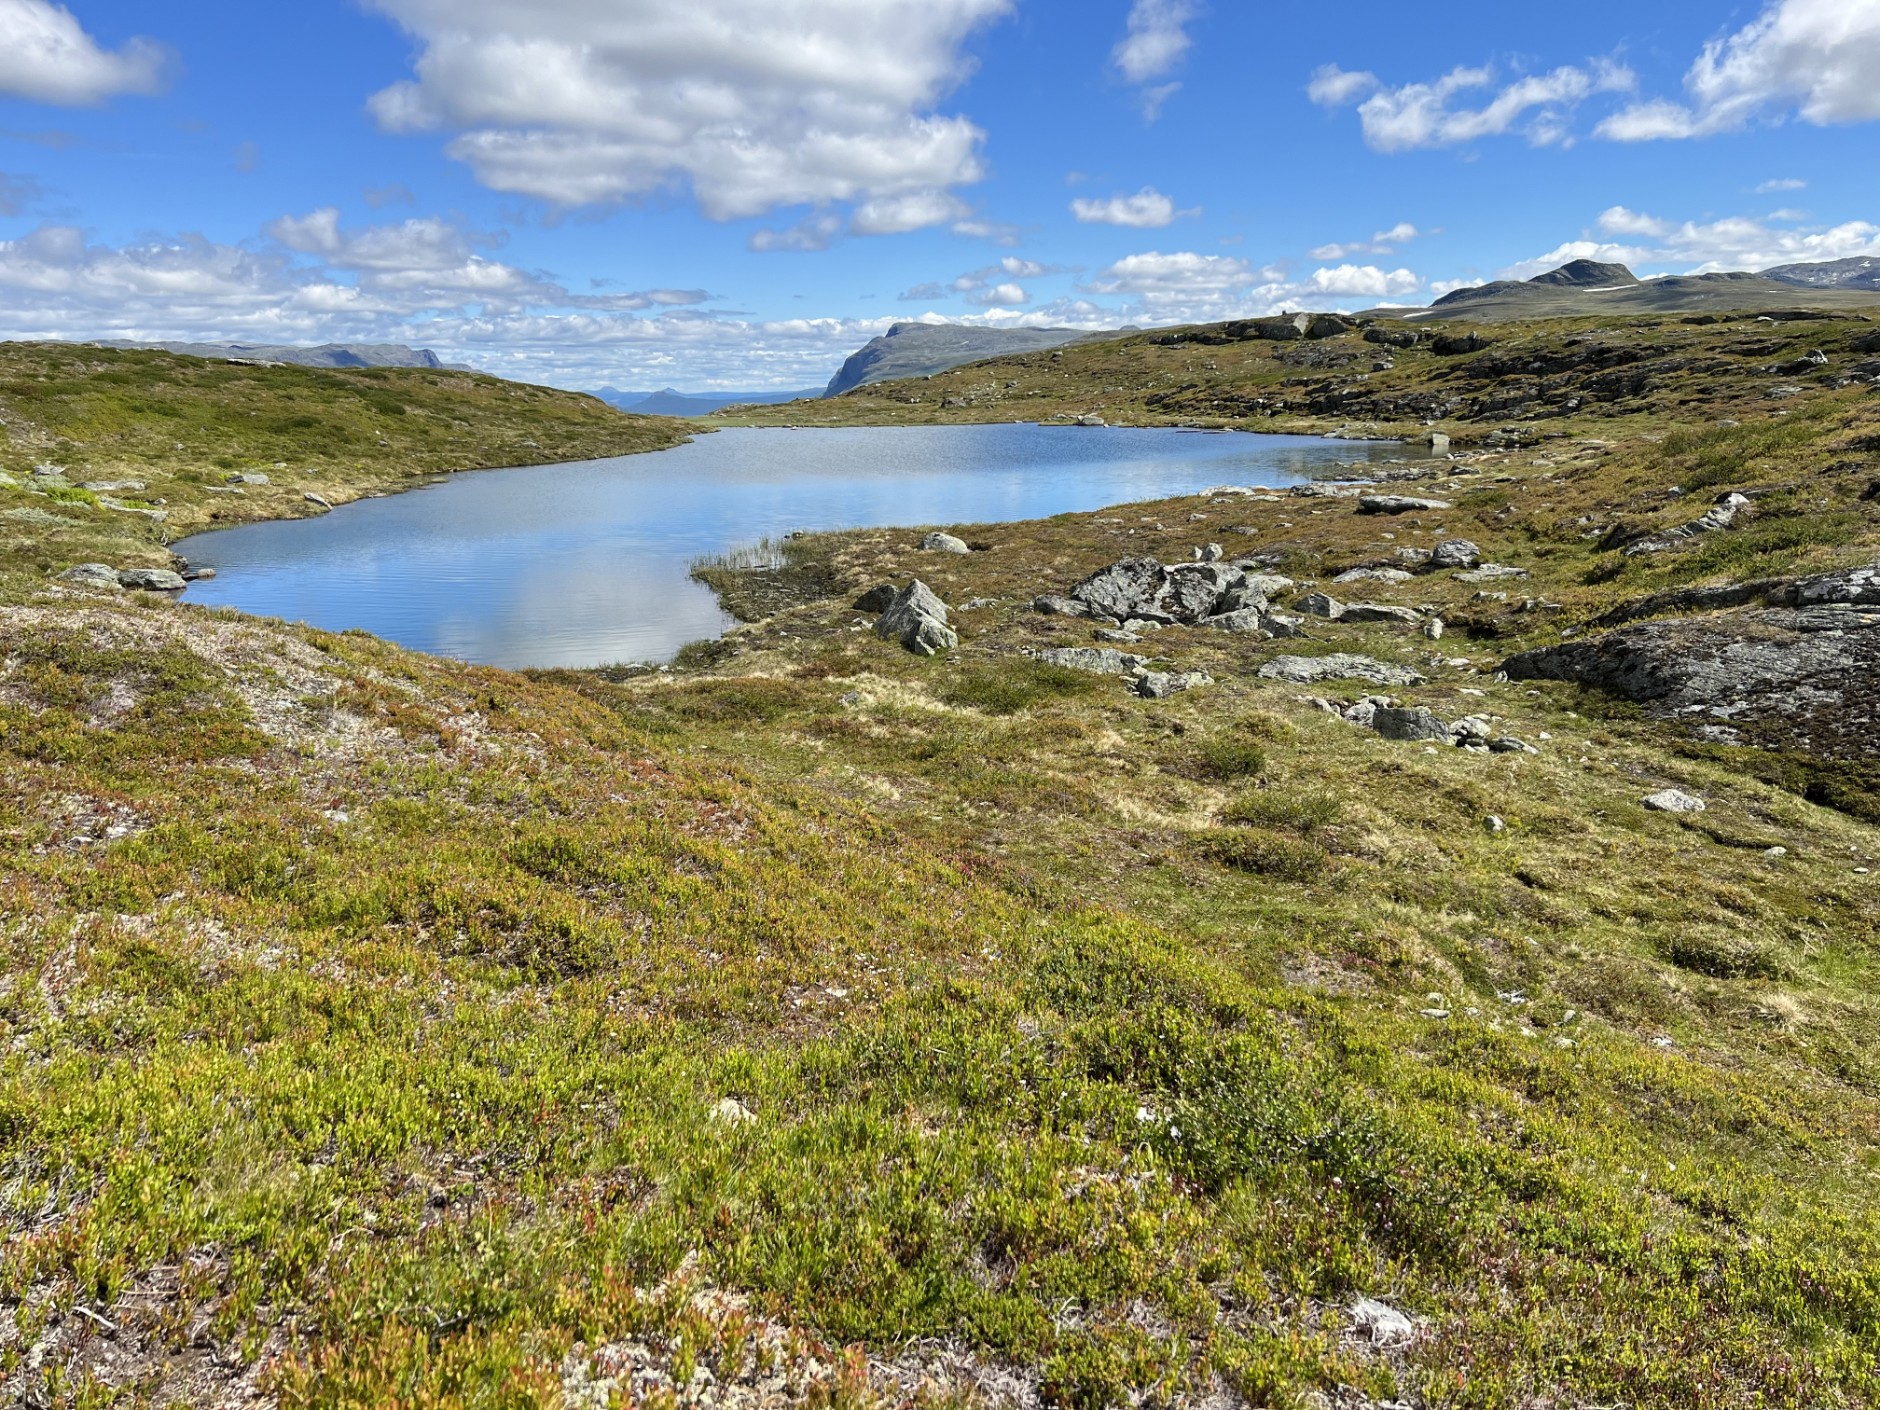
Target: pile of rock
(1421, 725)
(1139, 593)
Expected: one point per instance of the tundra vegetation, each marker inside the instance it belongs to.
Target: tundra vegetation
(816, 1022)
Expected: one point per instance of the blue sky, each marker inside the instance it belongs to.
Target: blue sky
(736, 193)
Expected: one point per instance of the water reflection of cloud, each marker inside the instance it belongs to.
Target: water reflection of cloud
(588, 564)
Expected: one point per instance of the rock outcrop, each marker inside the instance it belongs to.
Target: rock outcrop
(1800, 671)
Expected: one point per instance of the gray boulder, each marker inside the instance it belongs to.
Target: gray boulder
(1322, 604)
(250, 478)
(1097, 660)
(1248, 621)
(1268, 585)
(918, 620)
(1418, 726)
(944, 543)
(1373, 575)
(1455, 553)
(1672, 800)
(151, 580)
(1131, 588)
(1398, 504)
(1051, 605)
(1310, 670)
(877, 599)
(1159, 685)
(93, 575)
(1382, 612)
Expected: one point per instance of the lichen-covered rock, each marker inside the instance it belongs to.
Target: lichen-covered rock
(1158, 685)
(918, 620)
(1416, 726)
(1382, 612)
(1097, 660)
(944, 543)
(1455, 553)
(1310, 670)
(93, 575)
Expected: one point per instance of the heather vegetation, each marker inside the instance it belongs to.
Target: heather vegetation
(815, 1022)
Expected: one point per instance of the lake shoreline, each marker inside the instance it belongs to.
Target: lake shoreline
(595, 566)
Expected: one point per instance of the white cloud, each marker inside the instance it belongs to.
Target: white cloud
(1156, 274)
(1620, 221)
(753, 104)
(46, 57)
(1333, 87)
(1781, 184)
(1817, 58)
(1364, 281)
(1148, 209)
(1002, 296)
(896, 215)
(1155, 46)
(1384, 242)
(1420, 115)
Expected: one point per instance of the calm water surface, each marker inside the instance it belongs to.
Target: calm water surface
(587, 564)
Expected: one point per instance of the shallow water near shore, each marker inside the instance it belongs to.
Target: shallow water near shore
(588, 564)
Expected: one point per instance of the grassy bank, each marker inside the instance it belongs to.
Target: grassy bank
(189, 444)
(830, 1025)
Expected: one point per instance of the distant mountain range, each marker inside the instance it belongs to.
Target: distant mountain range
(922, 349)
(670, 402)
(1588, 286)
(327, 355)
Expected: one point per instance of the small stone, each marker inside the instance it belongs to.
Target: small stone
(1776, 854)
(320, 501)
(731, 1112)
(1496, 826)
(198, 575)
(1672, 800)
(1116, 638)
(1508, 744)
(1382, 1323)
(1434, 628)
(252, 477)
(944, 543)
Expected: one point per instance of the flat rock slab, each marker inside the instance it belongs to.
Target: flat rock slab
(1310, 670)
(1382, 612)
(1399, 504)
(1674, 801)
(1804, 679)
(1097, 660)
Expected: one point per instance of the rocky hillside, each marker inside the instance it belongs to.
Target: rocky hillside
(921, 349)
(1347, 944)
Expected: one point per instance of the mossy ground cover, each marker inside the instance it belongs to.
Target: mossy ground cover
(854, 1028)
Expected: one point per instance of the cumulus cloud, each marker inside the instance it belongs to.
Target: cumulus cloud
(1384, 242)
(46, 57)
(1148, 209)
(753, 105)
(1154, 47)
(1422, 115)
(1187, 287)
(1364, 281)
(1705, 247)
(1819, 59)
